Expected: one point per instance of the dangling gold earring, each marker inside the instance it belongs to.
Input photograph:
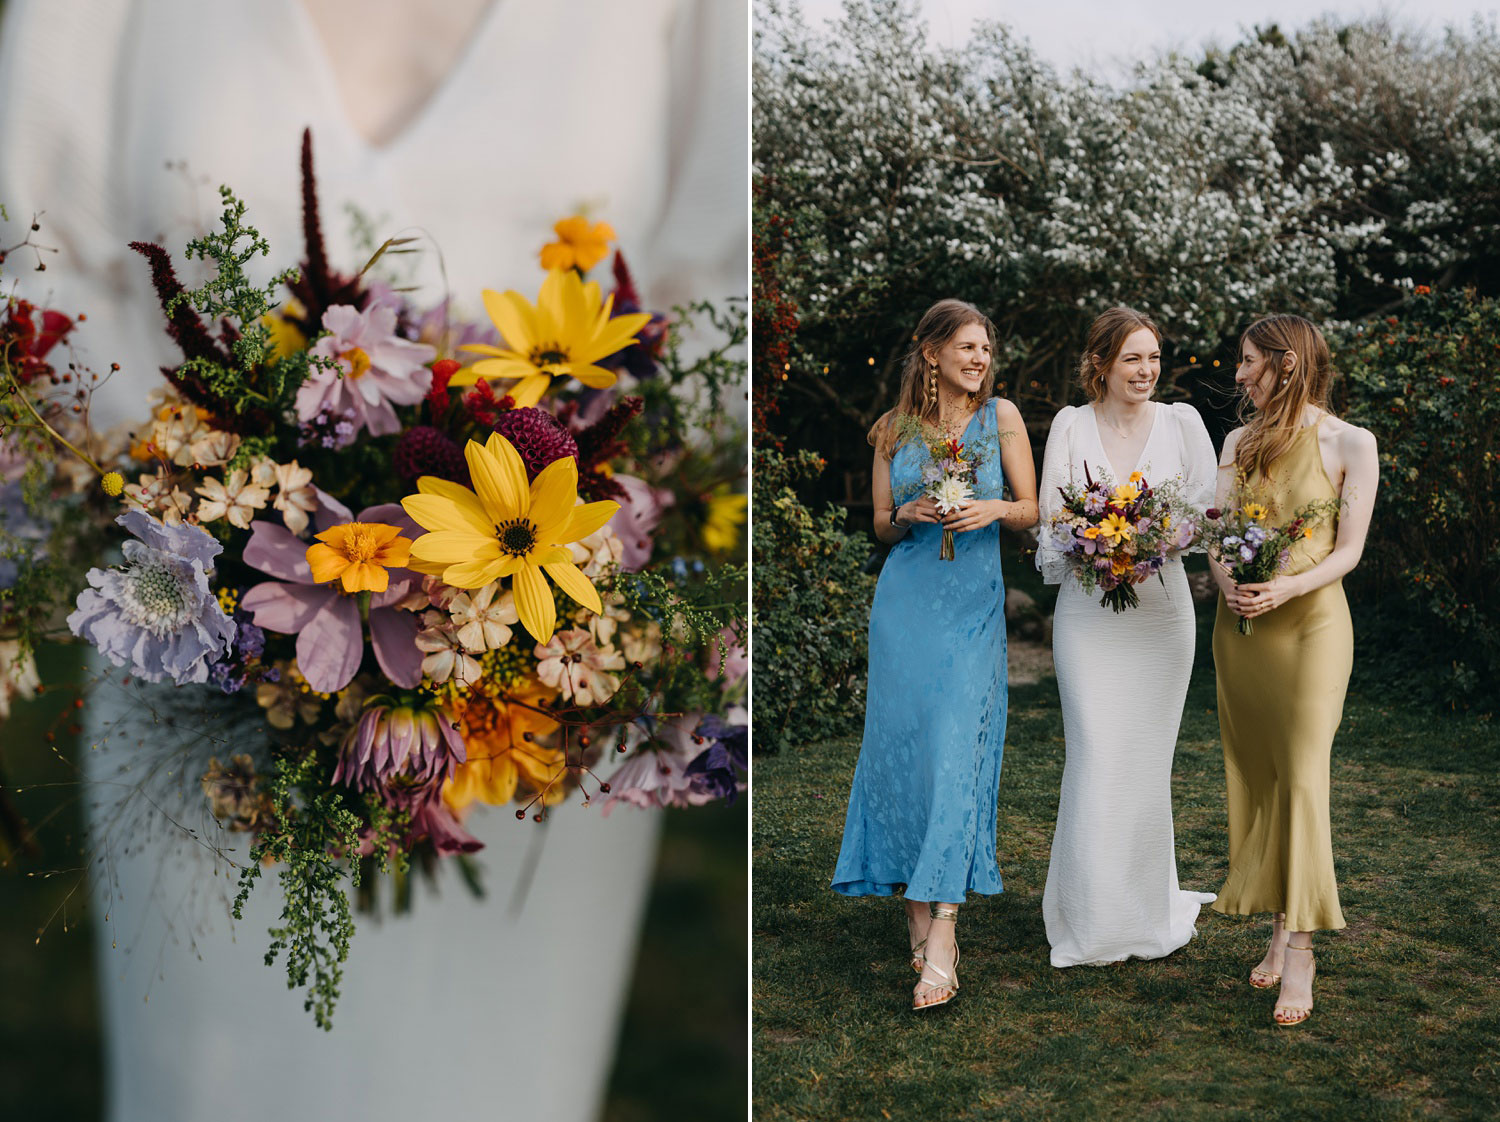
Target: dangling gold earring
(932, 372)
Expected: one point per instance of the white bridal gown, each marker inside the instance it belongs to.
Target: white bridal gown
(464, 1009)
(1112, 888)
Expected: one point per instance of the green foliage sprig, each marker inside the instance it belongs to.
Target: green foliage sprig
(317, 920)
(258, 375)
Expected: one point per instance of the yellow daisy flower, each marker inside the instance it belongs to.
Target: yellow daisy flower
(1125, 494)
(726, 514)
(501, 754)
(563, 336)
(1255, 512)
(503, 528)
(1115, 528)
(579, 245)
(358, 554)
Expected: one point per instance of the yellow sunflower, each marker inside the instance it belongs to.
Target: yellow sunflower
(1125, 494)
(563, 336)
(580, 244)
(503, 528)
(1255, 512)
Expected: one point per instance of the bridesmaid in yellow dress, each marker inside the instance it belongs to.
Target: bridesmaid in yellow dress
(1281, 688)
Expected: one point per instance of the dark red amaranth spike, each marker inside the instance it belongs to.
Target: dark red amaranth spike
(599, 443)
(625, 292)
(318, 288)
(192, 336)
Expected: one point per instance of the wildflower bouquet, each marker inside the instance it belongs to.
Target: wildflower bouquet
(1114, 537)
(435, 563)
(1244, 540)
(948, 473)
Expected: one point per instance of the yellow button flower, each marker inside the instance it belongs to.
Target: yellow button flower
(503, 528)
(579, 245)
(358, 554)
(562, 336)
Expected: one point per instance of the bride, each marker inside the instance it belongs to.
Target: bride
(1112, 887)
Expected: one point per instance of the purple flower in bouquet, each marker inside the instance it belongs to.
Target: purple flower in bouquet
(640, 513)
(656, 775)
(1186, 533)
(232, 673)
(718, 770)
(326, 621)
(404, 754)
(157, 613)
(375, 369)
(1254, 535)
(1095, 499)
(25, 530)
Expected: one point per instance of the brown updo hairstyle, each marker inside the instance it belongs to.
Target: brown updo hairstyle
(918, 393)
(1106, 339)
(1269, 431)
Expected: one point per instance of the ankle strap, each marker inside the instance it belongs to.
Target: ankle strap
(945, 913)
(1294, 947)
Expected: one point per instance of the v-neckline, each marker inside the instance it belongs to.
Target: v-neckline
(426, 108)
(1156, 408)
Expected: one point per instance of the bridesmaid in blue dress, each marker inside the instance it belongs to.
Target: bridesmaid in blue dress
(921, 818)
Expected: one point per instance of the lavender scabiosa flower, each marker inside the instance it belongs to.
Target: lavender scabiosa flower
(156, 613)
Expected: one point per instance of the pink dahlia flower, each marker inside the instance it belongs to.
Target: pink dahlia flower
(376, 369)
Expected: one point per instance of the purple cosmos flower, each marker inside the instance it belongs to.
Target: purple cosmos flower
(376, 369)
(157, 613)
(639, 514)
(718, 770)
(1186, 532)
(656, 775)
(1094, 501)
(330, 638)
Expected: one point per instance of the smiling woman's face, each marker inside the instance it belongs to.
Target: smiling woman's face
(964, 360)
(1132, 376)
(1254, 375)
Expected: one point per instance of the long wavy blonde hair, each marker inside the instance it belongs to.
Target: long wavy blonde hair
(918, 395)
(1269, 430)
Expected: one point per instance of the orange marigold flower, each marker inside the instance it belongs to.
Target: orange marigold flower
(580, 245)
(358, 554)
(503, 753)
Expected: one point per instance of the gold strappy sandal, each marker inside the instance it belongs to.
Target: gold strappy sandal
(1288, 1015)
(948, 986)
(918, 959)
(1264, 979)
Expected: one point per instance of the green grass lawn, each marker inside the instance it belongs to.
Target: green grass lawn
(682, 1043)
(1407, 1015)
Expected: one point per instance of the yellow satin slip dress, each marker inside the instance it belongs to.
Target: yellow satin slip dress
(1281, 698)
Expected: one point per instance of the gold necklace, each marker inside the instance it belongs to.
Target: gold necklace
(1123, 434)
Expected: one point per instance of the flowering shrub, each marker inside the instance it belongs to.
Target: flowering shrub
(1426, 382)
(810, 610)
(1307, 174)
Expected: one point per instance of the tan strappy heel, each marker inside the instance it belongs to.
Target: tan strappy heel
(948, 986)
(1288, 1015)
(918, 959)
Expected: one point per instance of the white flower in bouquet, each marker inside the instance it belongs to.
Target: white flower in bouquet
(950, 493)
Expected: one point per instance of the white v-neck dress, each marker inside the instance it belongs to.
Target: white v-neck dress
(1112, 890)
(462, 1009)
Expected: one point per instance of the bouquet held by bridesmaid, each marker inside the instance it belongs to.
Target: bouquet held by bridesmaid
(1245, 542)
